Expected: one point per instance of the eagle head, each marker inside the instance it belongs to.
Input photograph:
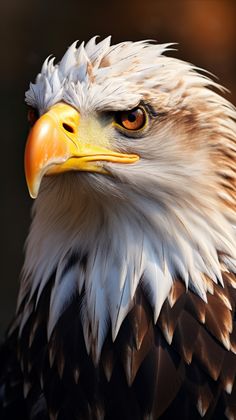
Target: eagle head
(131, 158)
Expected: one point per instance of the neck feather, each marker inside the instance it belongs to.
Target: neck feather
(106, 248)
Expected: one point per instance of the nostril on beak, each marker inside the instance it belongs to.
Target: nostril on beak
(68, 128)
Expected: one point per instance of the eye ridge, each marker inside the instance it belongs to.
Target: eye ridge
(131, 120)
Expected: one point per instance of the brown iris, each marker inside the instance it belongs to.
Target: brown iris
(132, 120)
(32, 116)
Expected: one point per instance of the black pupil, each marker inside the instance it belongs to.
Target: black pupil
(131, 117)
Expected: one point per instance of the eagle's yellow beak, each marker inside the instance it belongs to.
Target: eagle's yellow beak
(55, 145)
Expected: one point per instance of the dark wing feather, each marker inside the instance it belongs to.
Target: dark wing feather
(180, 365)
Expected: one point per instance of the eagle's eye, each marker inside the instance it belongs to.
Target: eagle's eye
(32, 116)
(132, 120)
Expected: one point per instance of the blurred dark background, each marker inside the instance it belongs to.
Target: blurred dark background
(30, 30)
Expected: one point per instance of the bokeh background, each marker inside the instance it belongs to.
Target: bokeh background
(30, 30)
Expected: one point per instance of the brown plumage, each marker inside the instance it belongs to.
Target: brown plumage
(179, 365)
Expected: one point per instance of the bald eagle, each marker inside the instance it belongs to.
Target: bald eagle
(126, 308)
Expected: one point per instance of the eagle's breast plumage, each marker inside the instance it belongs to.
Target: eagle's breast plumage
(127, 300)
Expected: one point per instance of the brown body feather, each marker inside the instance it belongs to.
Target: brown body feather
(181, 364)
